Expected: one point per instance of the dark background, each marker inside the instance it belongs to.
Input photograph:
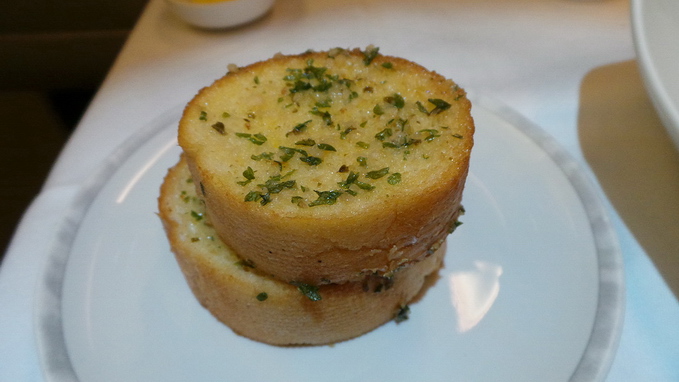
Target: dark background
(54, 54)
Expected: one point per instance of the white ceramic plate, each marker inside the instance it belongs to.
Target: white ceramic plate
(656, 26)
(532, 288)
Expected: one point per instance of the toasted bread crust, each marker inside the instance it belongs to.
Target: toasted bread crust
(232, 291)
(363, 232)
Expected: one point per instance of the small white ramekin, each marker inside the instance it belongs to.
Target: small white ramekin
(220, 14)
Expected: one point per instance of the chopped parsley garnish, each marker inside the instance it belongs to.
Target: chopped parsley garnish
(274, 185)
(369, 55)
(262, 296)
(225, 115)
(306, 142)
(395, 100)
(362, 145)
(394, 178)
(377, 173)
(363, 161)
(311, 161)
(327, 118)
(421, 107)
(404, 142)
(197, 215)
(454, 226)
(402, 314)
(299, 128)
(219, 127)
(387, 65)
(326, 147)
(289, 152)
(343, 134)
(264, 155)
(433, 133)
(249, 175)
(257, 139)
(326, 198)
(378, 110)
(252, 196)
(353, 179)
(382, 135)
(203, 116)
(458, 136)
(310, 291)
(440, 105)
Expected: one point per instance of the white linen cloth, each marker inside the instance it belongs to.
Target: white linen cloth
(529, 54)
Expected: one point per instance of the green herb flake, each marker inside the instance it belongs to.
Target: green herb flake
(274, 185)
(454, 226)
(326, 147)
(296, 200)
(264, 155)
(264, 199)
(378, 110)
(363, 145)
(219, 127)
(384, 134)
(440, 105)
(377, 173)
(343, 134)
(309, 291)
(387, 65)
(403, 314)
(362, 161)
(197, 215)
(433, 133)
(352, 178)
(369, 55)
(306, 142)
(311, 161)
(257, 139)
(325, 198)
(421, 108)
(299, 128)
(395, 100)
(327, 118)
(289, 152)
(394, 178)
(252, 196)
(249, 175)
(365, 186)
(203, 116)
(262, 296)
(458, 136)
(256, 80)
(225, 115)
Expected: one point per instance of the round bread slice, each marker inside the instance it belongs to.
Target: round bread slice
(327, 166)
(269, 310)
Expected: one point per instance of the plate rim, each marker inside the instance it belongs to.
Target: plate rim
(668, 109)
(599, 352)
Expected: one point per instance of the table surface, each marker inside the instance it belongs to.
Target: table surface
(567, 66)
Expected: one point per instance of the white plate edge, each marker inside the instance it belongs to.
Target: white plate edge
(599, 354)
(52, 352)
